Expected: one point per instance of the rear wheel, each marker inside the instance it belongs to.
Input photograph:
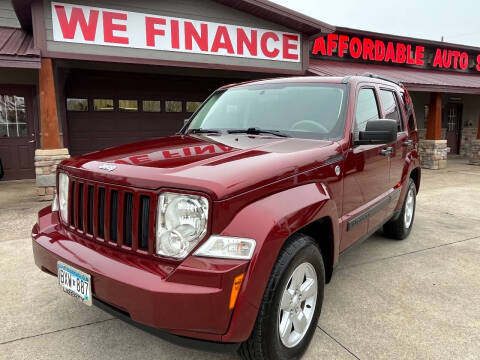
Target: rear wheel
(400, 227)
(291, 304)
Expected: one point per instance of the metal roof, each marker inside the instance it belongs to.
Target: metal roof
(413, 79)
(17, 49)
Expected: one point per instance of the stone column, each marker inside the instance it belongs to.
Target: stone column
(51, 152)
(433, 149)
(474, 156)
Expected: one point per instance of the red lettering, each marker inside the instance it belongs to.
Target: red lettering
(390, 53)
(368, 49)
(319, 47)
(342, 44)
(226, 148)
(174, 31)
(200, 150)
(200, 39)
(77, 17)
(478, 62)
(151, 31)
(109, 27)
(124, 162)
(187, 151)
(243, 40)
(463, 61)
(264, 44)
(456, 55)
(437, 60)
(287, 46)
(447, 59)
(419, 55)
(139, 159)
(331, 43)
(410, 60)
(401, 53)
(222, 40)
(355, 47)
(379, 50)
(170, 155)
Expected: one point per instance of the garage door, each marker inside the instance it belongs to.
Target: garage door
(105, 110)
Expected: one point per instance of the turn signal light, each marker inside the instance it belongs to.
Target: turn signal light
(237, 284)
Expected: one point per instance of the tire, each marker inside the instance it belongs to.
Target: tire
(400, 227)
(299, 254)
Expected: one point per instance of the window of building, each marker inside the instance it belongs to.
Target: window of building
(151, 106)
(367, 109)
(128, 105)
(74, 104)
(173, 106)
(13, 117)
(192, 106)
(103, 104)
(390, 107)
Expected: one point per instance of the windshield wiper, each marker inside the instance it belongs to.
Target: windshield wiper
(203, 131)
(257, 131)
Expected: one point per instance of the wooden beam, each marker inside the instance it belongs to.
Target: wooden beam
(434, 122)
(48, 107)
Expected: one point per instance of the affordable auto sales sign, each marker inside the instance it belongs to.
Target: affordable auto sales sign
(91, 25)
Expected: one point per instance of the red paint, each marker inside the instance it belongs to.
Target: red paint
(152, 30)
(264, 44)
(249, 42)
(222, 40)
(109, 27)
(191, 33)
(77, 18)
(260, 187)
(288, 45)
(174, 33)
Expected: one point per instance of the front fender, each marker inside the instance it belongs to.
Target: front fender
(270, 221)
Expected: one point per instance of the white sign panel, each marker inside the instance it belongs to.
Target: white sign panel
(98, 26)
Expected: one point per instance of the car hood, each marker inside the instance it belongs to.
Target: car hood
(221, 165)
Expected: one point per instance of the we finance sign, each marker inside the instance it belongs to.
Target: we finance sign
(98, 26)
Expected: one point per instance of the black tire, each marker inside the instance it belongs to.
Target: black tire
(396, 228)
(264, 342)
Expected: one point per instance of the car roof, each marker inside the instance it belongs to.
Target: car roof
(350, 79)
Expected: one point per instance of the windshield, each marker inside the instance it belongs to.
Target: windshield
(306, 110)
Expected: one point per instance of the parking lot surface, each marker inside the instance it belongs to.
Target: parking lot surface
(412, 299)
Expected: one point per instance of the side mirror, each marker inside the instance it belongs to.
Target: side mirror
(383, 131)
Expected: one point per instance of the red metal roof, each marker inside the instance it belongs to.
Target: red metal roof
(413, 79)
(17, 49)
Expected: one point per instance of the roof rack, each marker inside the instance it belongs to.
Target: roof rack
(375, 76)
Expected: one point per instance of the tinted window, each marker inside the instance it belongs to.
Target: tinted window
(102, 104)
(77, 104)
(390, 107)
(13, 122)
(367, 109)
(128, 105)
(173, 106)
(151, 106)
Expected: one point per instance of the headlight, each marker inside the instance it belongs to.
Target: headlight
(181, 223)
(63, 195)
(55, 202)
(227, 247)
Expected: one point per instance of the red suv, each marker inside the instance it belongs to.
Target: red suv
(228, 231)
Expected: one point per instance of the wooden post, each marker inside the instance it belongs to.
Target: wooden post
(48, 107)
(478, 128)
(434, 122)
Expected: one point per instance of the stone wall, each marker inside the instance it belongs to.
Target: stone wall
(474, 156)
(469, 134)
(433, 154)
(423, 132)
(46, 162)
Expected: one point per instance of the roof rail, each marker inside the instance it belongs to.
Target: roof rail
(375, 76)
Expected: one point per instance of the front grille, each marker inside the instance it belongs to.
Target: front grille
(114, 215)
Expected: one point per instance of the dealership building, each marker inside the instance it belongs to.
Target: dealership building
(81, 76)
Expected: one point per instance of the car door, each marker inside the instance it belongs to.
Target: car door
(391, 109)
(366, 174)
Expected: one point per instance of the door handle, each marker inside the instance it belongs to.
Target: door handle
(408, 143)
(32, 141)
(387, 151)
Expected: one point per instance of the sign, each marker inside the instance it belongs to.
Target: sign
(395, 52)
(98, 26)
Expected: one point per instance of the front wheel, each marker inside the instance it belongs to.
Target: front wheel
(400, 227)
(291, 304)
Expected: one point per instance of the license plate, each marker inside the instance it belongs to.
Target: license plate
(75, 283)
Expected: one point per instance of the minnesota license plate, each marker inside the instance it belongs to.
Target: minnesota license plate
(75, 283)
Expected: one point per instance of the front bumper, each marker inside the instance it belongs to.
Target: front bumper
(190, 299)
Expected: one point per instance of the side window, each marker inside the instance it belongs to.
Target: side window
(390, 107)
(367, 109)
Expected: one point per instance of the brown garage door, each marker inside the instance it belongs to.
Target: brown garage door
(105, 110)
